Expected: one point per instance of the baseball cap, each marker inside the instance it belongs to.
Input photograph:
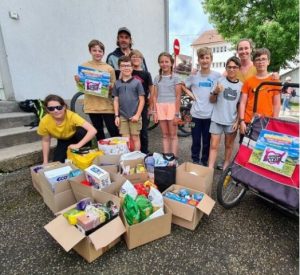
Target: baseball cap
(124, 29)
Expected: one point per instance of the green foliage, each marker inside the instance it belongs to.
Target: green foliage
(272, 24)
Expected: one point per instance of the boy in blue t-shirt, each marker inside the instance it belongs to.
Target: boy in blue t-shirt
(201, 85)
(129, 101)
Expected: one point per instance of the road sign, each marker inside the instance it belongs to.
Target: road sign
(176, 47)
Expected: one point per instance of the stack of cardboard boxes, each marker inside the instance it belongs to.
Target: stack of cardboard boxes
(69, 191)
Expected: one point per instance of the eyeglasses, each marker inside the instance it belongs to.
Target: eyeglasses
(125, 66)
(232, 67)
(261, 59)
(52, 108)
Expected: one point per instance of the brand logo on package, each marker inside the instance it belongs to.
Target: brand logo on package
(96, 170)
(62, 178)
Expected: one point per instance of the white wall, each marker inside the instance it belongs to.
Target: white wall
(48, 42)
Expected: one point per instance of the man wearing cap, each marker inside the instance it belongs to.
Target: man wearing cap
(124, 43)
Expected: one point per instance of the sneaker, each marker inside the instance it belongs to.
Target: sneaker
(219, 165)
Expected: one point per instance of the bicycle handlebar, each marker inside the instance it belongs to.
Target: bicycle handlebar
(281, 84)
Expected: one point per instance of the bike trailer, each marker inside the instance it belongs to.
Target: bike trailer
(272, 170)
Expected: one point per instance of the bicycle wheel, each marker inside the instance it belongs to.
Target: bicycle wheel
(229, 191)
(76, 105)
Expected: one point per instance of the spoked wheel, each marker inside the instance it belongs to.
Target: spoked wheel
(229, 191)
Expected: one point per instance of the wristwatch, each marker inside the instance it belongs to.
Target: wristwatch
(241, 119)
(117, 116)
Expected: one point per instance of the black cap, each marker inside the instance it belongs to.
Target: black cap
(124, 29)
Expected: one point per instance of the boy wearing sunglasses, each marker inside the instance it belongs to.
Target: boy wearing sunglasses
(225, 98)
(70, 130)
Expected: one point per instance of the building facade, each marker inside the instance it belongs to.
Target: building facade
(221, 49)
(43, 42)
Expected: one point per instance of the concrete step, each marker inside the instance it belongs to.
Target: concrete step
(22, 156)
(16, 136)
(9, 106)
(15, 119)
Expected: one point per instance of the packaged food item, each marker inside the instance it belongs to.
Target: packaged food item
(72, 215)
(198, 196)
(148, 184)
(140, 168)
(175, 197)
(131, 210)
(127, 188)
(144, 206)
(82, 204)
(156, 198)
(141, 189)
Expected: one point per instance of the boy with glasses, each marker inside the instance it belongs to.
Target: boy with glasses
(225, 98)
(269, 96)
(129, 101)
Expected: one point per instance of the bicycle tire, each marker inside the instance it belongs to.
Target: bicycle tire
(230, 182)
(73, 101)
(181, 133)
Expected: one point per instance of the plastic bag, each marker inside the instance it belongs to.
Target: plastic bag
(156, 198)
(85, 160)
(141, 189)
(131, 210)
(144, 206)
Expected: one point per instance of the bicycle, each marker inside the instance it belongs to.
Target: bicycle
(184, 126)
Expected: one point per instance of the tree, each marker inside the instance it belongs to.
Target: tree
(272, 24)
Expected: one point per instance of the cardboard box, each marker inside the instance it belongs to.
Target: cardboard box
(195, 176)
(136, 177)
(186, 215)
(105, 160)
(96, 244)
(82, 191)
(62, 196)
(35, 176)
(147, 231)
(97, 176)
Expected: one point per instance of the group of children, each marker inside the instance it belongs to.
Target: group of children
(217, 107)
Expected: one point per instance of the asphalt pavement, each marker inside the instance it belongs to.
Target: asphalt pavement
(252, 238)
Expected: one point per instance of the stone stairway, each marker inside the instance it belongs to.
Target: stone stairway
(20, 146)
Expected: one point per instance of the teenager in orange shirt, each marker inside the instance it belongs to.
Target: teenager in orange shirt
(269, 96)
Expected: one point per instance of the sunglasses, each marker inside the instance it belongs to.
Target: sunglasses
(52, 108)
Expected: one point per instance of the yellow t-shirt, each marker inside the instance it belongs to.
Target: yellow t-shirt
(66, 130)
(243, 76)
(96, 104)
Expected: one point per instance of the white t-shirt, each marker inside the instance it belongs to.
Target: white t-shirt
(225, 109)
(201, 86)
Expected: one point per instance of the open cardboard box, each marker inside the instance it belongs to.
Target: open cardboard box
(147, 231)
(35, 176)
(89, 247)
(82, 191)
(137, 177)
(62, 196)
(186, 215)
(107, 161)
(195, 176)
